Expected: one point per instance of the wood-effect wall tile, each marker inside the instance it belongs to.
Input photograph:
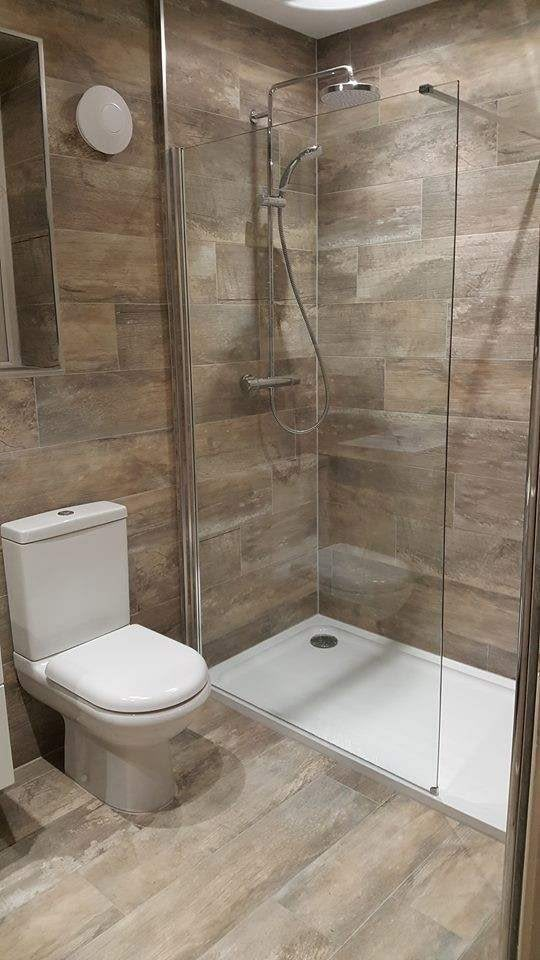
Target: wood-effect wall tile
(497, 264)
(154, 566)
(492, 200)
(338, 275)
(142, 332)
(494, 389)
(523, 112)
(232, 605)
(26, 186)
(414, 270)
(294, 482)
(488, 562)
(201, 258)
(191, 82)
(415, 328)
(406, 150)
(493, 328)
(118, 51)
(105, 266)
(22, 125)
(420, 386)
(224, 332)
(224, 27)
(18, 418)
(91, 196)
(220, 558)
(240, 272)
(378, 214)
(88, 336)
(227, 499)
(279, 537)
(480, 616)
(385, 437)
(50, 477)
(188, 127)
(491, 448)
(150, 508)
(489, 505)
(423, 28)
(32, 269)
(491, 66)
(88, 406)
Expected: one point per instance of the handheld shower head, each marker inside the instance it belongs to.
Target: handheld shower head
(314, 150)
(350, 93)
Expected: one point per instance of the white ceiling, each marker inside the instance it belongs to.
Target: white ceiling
(319, 18)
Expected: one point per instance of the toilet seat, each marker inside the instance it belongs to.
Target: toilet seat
(130, 670)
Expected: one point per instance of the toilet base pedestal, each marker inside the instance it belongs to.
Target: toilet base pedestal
(133, 779)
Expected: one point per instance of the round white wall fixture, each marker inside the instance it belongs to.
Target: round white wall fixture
(104, 120)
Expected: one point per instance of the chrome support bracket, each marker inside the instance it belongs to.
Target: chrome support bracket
(256, 115)
(266, 200)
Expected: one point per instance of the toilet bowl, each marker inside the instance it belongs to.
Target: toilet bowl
(125, 692)
(116, 745)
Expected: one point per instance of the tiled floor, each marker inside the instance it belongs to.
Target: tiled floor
(272, 853)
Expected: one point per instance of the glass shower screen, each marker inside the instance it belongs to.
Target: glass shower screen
(321, 551)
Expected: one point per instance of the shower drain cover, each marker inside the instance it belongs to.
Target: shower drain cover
(323, 641)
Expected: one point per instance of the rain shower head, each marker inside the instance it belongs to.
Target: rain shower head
(314, 150)
(350, 93)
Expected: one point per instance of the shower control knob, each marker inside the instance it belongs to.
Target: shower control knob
(250, 385)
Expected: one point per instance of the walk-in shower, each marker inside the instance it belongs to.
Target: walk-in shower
(334, 479)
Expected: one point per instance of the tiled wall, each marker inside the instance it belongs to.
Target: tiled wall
(492, 48)
(256, 483)
(100, 429)
(24, 159)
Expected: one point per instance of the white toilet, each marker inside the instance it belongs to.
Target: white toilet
(124, 690)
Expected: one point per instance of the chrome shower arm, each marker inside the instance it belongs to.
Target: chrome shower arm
(317, 75)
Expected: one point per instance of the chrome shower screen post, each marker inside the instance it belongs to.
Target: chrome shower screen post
(178, 283)
(516, 897)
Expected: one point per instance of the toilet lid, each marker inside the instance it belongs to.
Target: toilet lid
(131, 670)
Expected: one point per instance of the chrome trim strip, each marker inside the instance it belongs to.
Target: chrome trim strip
(526, 688)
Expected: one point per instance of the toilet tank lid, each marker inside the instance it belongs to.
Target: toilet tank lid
(56, 523)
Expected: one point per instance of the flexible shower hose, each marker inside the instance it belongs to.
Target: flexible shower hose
(299, 430)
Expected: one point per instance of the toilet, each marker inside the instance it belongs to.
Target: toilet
(124, 691)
